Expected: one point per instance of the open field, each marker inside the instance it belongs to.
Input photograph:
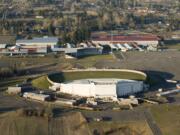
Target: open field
(126, 128)
(70, 76)
(176, 46)
(73, 123)
(167, 118)
(165, 64)
(26, 61)
(90, 61)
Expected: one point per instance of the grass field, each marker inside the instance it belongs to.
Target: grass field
(70, 124)
(69, 76)
(41, 83)
(90, 61)
(27, 61)
(168, 118)
(120, 128)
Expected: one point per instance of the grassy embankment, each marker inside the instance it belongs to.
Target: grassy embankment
(33, 61)
(41, 82)
(70, 76)
(86, 62)
(124, 128)
(167, 118)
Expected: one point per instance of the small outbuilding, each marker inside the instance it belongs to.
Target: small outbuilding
(35, 96)
(14, 90)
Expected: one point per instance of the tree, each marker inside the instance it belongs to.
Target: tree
(51, 29)
(81, 34)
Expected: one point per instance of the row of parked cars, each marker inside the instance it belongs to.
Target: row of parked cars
(122, 47)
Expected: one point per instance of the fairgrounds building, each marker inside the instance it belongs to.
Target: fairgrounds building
(148, 40)
(108, 87)
(39, 42)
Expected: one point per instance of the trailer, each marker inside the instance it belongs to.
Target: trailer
(35, 96)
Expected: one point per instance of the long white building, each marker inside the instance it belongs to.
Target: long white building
(151, 41)
(101, 87)
(41, 42)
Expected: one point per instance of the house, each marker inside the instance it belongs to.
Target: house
(35, 96)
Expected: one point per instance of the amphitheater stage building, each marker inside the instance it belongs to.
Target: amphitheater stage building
(100, 88)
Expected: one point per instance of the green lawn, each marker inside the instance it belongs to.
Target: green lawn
(69, 76)
(41, 82)
(168, 118)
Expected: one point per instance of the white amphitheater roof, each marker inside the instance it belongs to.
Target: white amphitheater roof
(99, 81)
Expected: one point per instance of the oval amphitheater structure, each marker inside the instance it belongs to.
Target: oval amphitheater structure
(98, 83)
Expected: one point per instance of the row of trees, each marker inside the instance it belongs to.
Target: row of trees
(11, 70)
(77, 36)
(77, 26)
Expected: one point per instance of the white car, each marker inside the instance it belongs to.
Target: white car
(128, 46)
(123, 49)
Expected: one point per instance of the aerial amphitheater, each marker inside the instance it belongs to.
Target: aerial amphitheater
(98, 83)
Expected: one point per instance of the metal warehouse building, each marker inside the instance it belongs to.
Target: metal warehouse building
(42, 41)
(100, 88)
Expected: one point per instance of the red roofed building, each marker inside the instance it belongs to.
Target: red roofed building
(149, 40)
